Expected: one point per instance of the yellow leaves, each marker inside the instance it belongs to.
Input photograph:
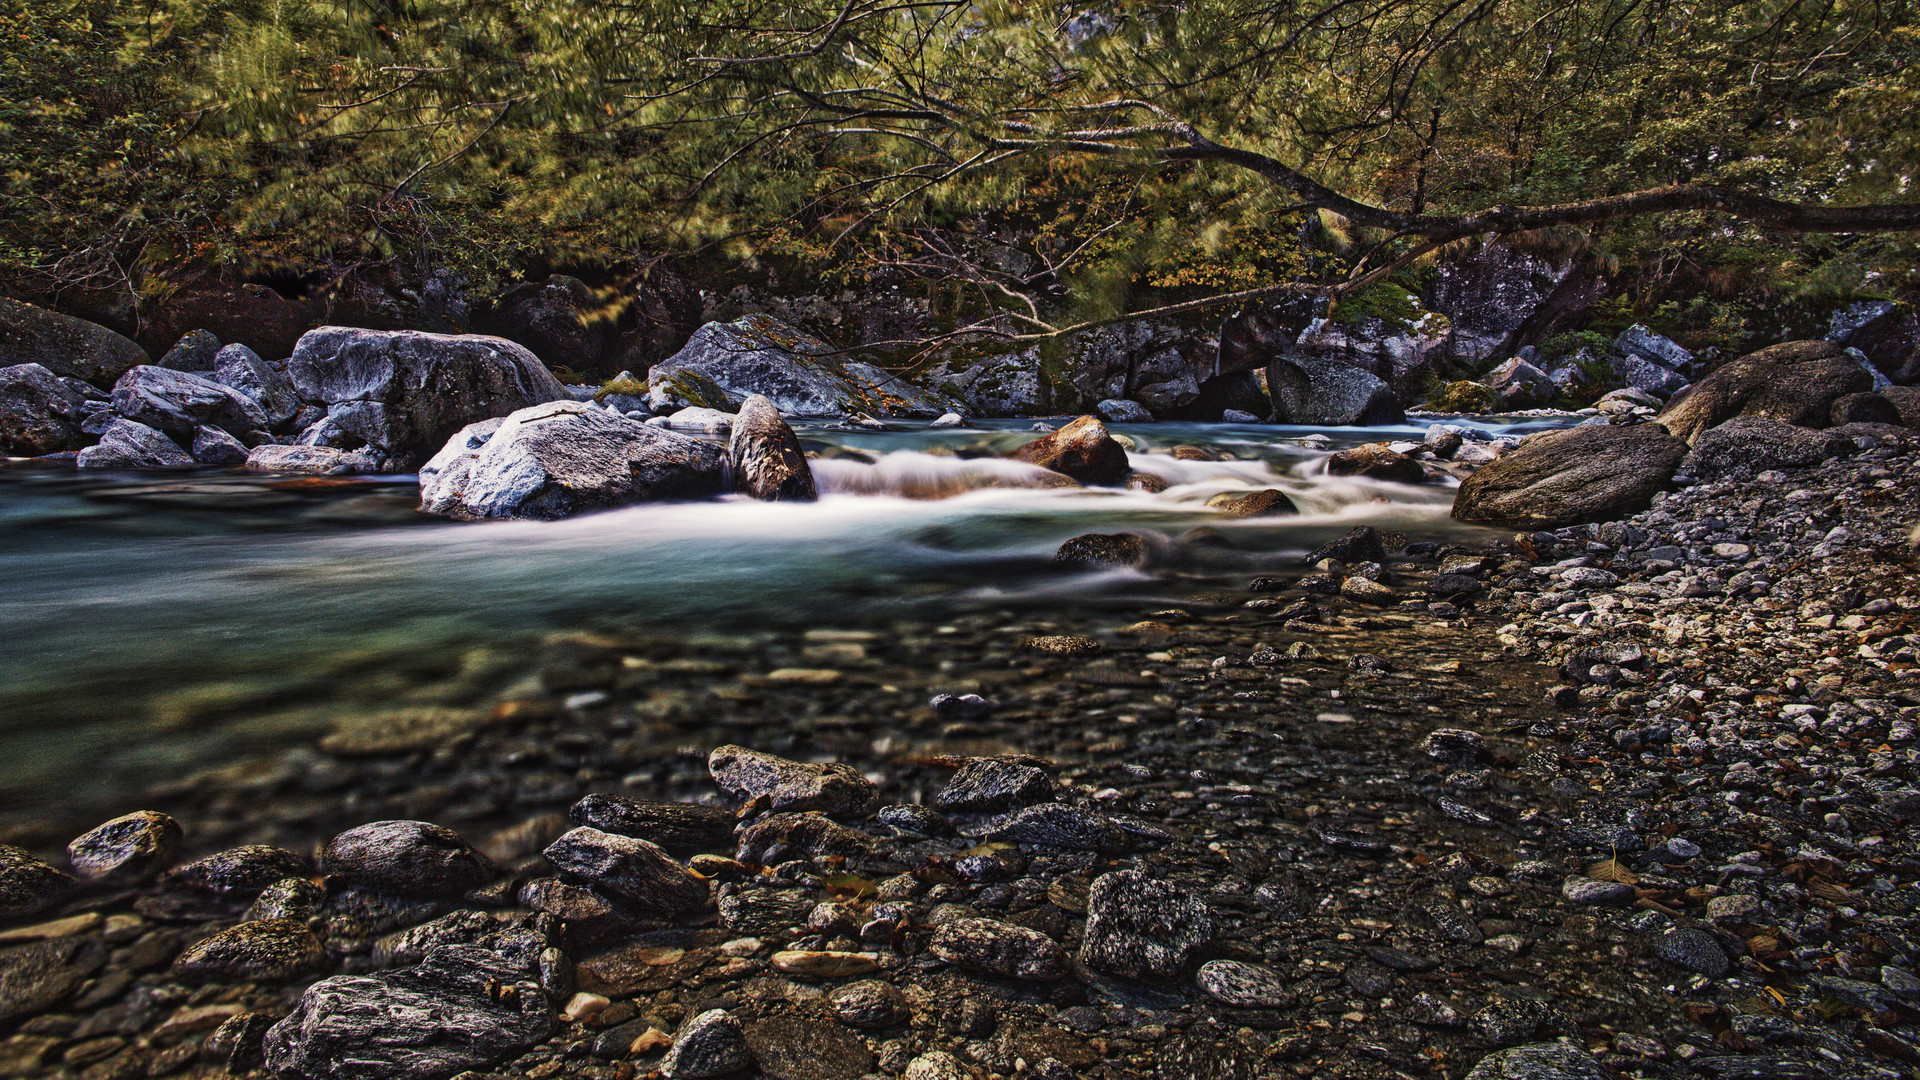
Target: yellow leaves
(1612, 870)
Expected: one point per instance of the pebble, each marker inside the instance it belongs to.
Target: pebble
(410, 858)
(997, 948)
(1142, 927)
(632, 871)
(825, 964)
(1058, 825)
(679, 828)
(1247, 986)
(1580, 890)
(992, 785)
(870, 1004)
(268, 951)
(1542, 1061)
(130, 848)
(27, 885)
(1695, 950)
(711, 1044)
(242, 870)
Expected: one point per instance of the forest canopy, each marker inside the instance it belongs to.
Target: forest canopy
(1050, 158)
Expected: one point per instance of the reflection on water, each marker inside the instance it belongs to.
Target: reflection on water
(157, 623)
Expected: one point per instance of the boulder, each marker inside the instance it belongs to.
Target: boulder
(697, 418)
(1906, 401)
(1752, 444)
(1864, 409)
(63, 344)
(1640, 373)
(998, 386)
(180, 403)
(632, 870)
(1104, 549)
(213, 446)
(567, 322)
(766, 458)
(1321, 392)
(128, 445)
(272, 457)
(462, 1008)
(1501, 295)
(1122, 411)
(209, 299)
(195, 351)
(1517, 384)
(1571, 477)
(265, 384)
(1886, 332)
(1796, 383)
(1375, 461)
(1082, 450)
(563, 458)
(407, 858)
(1638, 341)
(1268, 502)
(725, 363)
(1234, 391)
(131, 847)
(27, 885)
(39, 414)
(405, 393)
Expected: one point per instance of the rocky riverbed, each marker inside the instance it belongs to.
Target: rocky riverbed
(1631, 798)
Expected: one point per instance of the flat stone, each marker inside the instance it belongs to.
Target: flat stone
(824, 963)
(129, 848)
(634, 871)
(411, 858)
(833, 789)
(37, 976)
(266, 951)
(1580, 890)
(807, 1046)
(997, 948)
(1539, 1061)
(870, 1004)
(1059, 825)
(1142, 927)
(683, 829)
(244, 870)
(991, 785)
(1695, 950)
(1247, 986)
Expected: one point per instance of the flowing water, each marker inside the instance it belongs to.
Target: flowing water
(156, 624)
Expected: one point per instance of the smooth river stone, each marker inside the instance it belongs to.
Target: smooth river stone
(1249, 986)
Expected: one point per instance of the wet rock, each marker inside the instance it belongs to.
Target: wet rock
(723, 363)
(832, 789)
(63, 344)
(1082, 450)
(1517, 384)
(1122, 411)
(1318, 391)
(809, 1046)
(129, 445)
(992, 785)
(1695, 950)
(212, 446)
(179, 403)
(288, 898)
(1753, 444)
(39, 414)
(631, 870)
(242, 870)
(766, 458)
(1795, 383)
(684, 829)
(405, 393)
(812, 833)
(563, 458)
(1580, 890)
(194, 351)
(39, 975)
(132, 847)
(508, 935)
(751, 911)
(1243, 985)
(410, 858)
(870, 1004)
(997, 948)
(1142, 927)
(936, 1065)
(711, 1044)
(462, 1008)
(1456, 746)
(1375, 462)
(1104, 549)
(1572, 476)
(27, 885)
(266, 951)
(266, 385)
(320, 460)
(1361, 545)
(1059, 825)
(1269, 502)
(1540, 1061)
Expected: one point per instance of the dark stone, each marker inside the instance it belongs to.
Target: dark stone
(37, 976)
(568, 903)
(27, 885)
(1082, 450)
(807, 1046)
(236, 1044)
(1375, 462)
(1062, 826)
(411, 858)
(1448, 585)
(998, 948)
(288, 898)
(1317, 392)
(39, 414)
(405, 393)
(1752, 444)
(209, 299)
(195, 351)
(265, 384)
(1142, 927)
(1542, 1061)
(871, 1004)
(723, 364)
(1362, 545)
(751, 911)
(1456, 746)
(462, 1008)
(564, 458)
(212, 446)
(1695, 950)
(266, 951)
(132, 847)
(634, 871)
(1571, 477)
(993, 785)
(1864, 409)
(509, 935)
(710, 1044)
(1104, 549)
(1246, 986)
(244, 870)
(1795, 383)
(779, 784)
(766, 458)
(179, 403)
(684, 829)
(63, 344)
(1886, 331)
(1269, 502)
(813, 833)
(129, 445)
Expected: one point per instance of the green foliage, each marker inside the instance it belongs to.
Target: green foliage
(1571, 342)
(1386, 301)
(628, 387)
(1463, 396)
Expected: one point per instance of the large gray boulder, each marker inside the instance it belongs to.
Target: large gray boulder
(404, 393)
(1572, 476)
(64, 345)
(1517, 384)
(1647, 375)
(1796, 382)
(264, 384)
(766, 459)
(131, 445)
(463, 1007)
(39, 414)
(1316, 391)
(1639, 341)
(180, 403)
(725, 363)
(564, 458)
(1753, 444)
(1000, 386)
